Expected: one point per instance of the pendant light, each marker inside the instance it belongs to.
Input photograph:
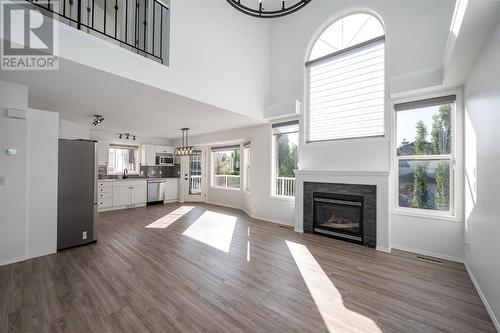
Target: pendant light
(185, 149)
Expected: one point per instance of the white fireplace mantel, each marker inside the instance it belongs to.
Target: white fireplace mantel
(378, 178)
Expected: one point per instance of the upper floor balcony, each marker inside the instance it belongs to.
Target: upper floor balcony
(141, 26)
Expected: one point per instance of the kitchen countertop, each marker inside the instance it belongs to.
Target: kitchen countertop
(133, 179)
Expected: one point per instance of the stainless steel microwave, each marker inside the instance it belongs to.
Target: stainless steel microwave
(165, 159)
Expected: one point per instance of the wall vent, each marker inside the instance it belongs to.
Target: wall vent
(430, 259)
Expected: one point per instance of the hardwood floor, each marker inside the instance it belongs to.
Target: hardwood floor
(175, 275)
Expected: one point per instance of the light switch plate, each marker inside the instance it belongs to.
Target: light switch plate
(3, 180)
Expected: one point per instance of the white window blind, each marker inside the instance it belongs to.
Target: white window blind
(346, 93)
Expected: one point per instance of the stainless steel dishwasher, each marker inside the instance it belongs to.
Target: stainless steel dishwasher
(156, 191)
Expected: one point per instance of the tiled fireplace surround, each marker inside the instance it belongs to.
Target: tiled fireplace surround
(342, 182)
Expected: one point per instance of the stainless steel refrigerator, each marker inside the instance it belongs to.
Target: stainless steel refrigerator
(77, 193)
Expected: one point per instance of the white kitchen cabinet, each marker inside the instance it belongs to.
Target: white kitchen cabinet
(127, 193)
(148, 155)
(164, 149)
(138, 193)
(172, 189)
(102, 152)
(121, 194)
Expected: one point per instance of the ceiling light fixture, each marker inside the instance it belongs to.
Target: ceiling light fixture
(126, 136)
(185, 149)
(270, 8)
(97, 119)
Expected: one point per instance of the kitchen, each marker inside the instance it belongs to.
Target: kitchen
(103, 175)
(126, 181)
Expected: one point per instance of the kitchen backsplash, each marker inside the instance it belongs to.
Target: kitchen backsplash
(161, 171)
(146, 172)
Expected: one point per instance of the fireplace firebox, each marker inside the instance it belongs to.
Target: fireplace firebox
(338, 216)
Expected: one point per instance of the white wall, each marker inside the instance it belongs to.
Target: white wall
(424, 233)
(412, 46)
(482, 137)
(28, 201)
(71, 130)
(13, 134)
(218, 56)
(41, 226)
(113, 138)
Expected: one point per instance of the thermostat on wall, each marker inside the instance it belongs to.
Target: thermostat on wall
(11, 151)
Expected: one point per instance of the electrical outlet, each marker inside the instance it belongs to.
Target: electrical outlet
(84, 235)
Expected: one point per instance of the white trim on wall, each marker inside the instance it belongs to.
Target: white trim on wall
(483, 298)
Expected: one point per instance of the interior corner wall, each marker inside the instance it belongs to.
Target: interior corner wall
(28, 200)
(259, 203)
(482, 165)
(42, 171)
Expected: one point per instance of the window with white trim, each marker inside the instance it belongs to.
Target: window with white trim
(121, 157)
(247, 162)
(226, 167)
(345, 80)
(425, 154)
(285, 156)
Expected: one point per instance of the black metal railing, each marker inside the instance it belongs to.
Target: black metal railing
(141, 26)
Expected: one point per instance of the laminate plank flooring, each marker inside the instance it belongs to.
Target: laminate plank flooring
(202, 268)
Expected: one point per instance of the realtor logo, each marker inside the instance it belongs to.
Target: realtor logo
(28, 36)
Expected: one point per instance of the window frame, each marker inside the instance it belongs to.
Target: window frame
(274, 159)
(215, 150)
(122, 146)
(247, 167)
(455, 157)
(385, 137)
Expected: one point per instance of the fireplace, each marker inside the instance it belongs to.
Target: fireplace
(343, 211)
(338, 216)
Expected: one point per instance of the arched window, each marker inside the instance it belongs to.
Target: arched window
(345, 96)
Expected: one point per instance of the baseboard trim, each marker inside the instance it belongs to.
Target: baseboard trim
(427, 253)
(12, 260)
(383, 249)
(223, 205)
(266, 219)
(483, 298)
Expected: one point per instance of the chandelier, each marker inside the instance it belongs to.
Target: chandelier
(268, 8)
(185, 149)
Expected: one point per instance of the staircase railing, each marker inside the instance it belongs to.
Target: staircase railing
(141, 26)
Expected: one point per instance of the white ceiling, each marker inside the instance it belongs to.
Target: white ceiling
(77, 92)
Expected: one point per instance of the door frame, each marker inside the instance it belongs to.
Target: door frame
(185, 195)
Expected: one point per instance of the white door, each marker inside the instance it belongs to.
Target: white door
(194, 176)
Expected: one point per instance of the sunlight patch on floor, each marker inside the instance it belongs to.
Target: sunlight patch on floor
(213, 229)
(328, 299)
(170, 218)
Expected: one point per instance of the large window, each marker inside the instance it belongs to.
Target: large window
(123, 157)
(226, 167)
(346, 81)
(425, 154)
(247, 162)
(285, 146)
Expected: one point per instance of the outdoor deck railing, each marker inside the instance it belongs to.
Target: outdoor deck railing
(229, 181)
(285, 186)
(195, 186)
